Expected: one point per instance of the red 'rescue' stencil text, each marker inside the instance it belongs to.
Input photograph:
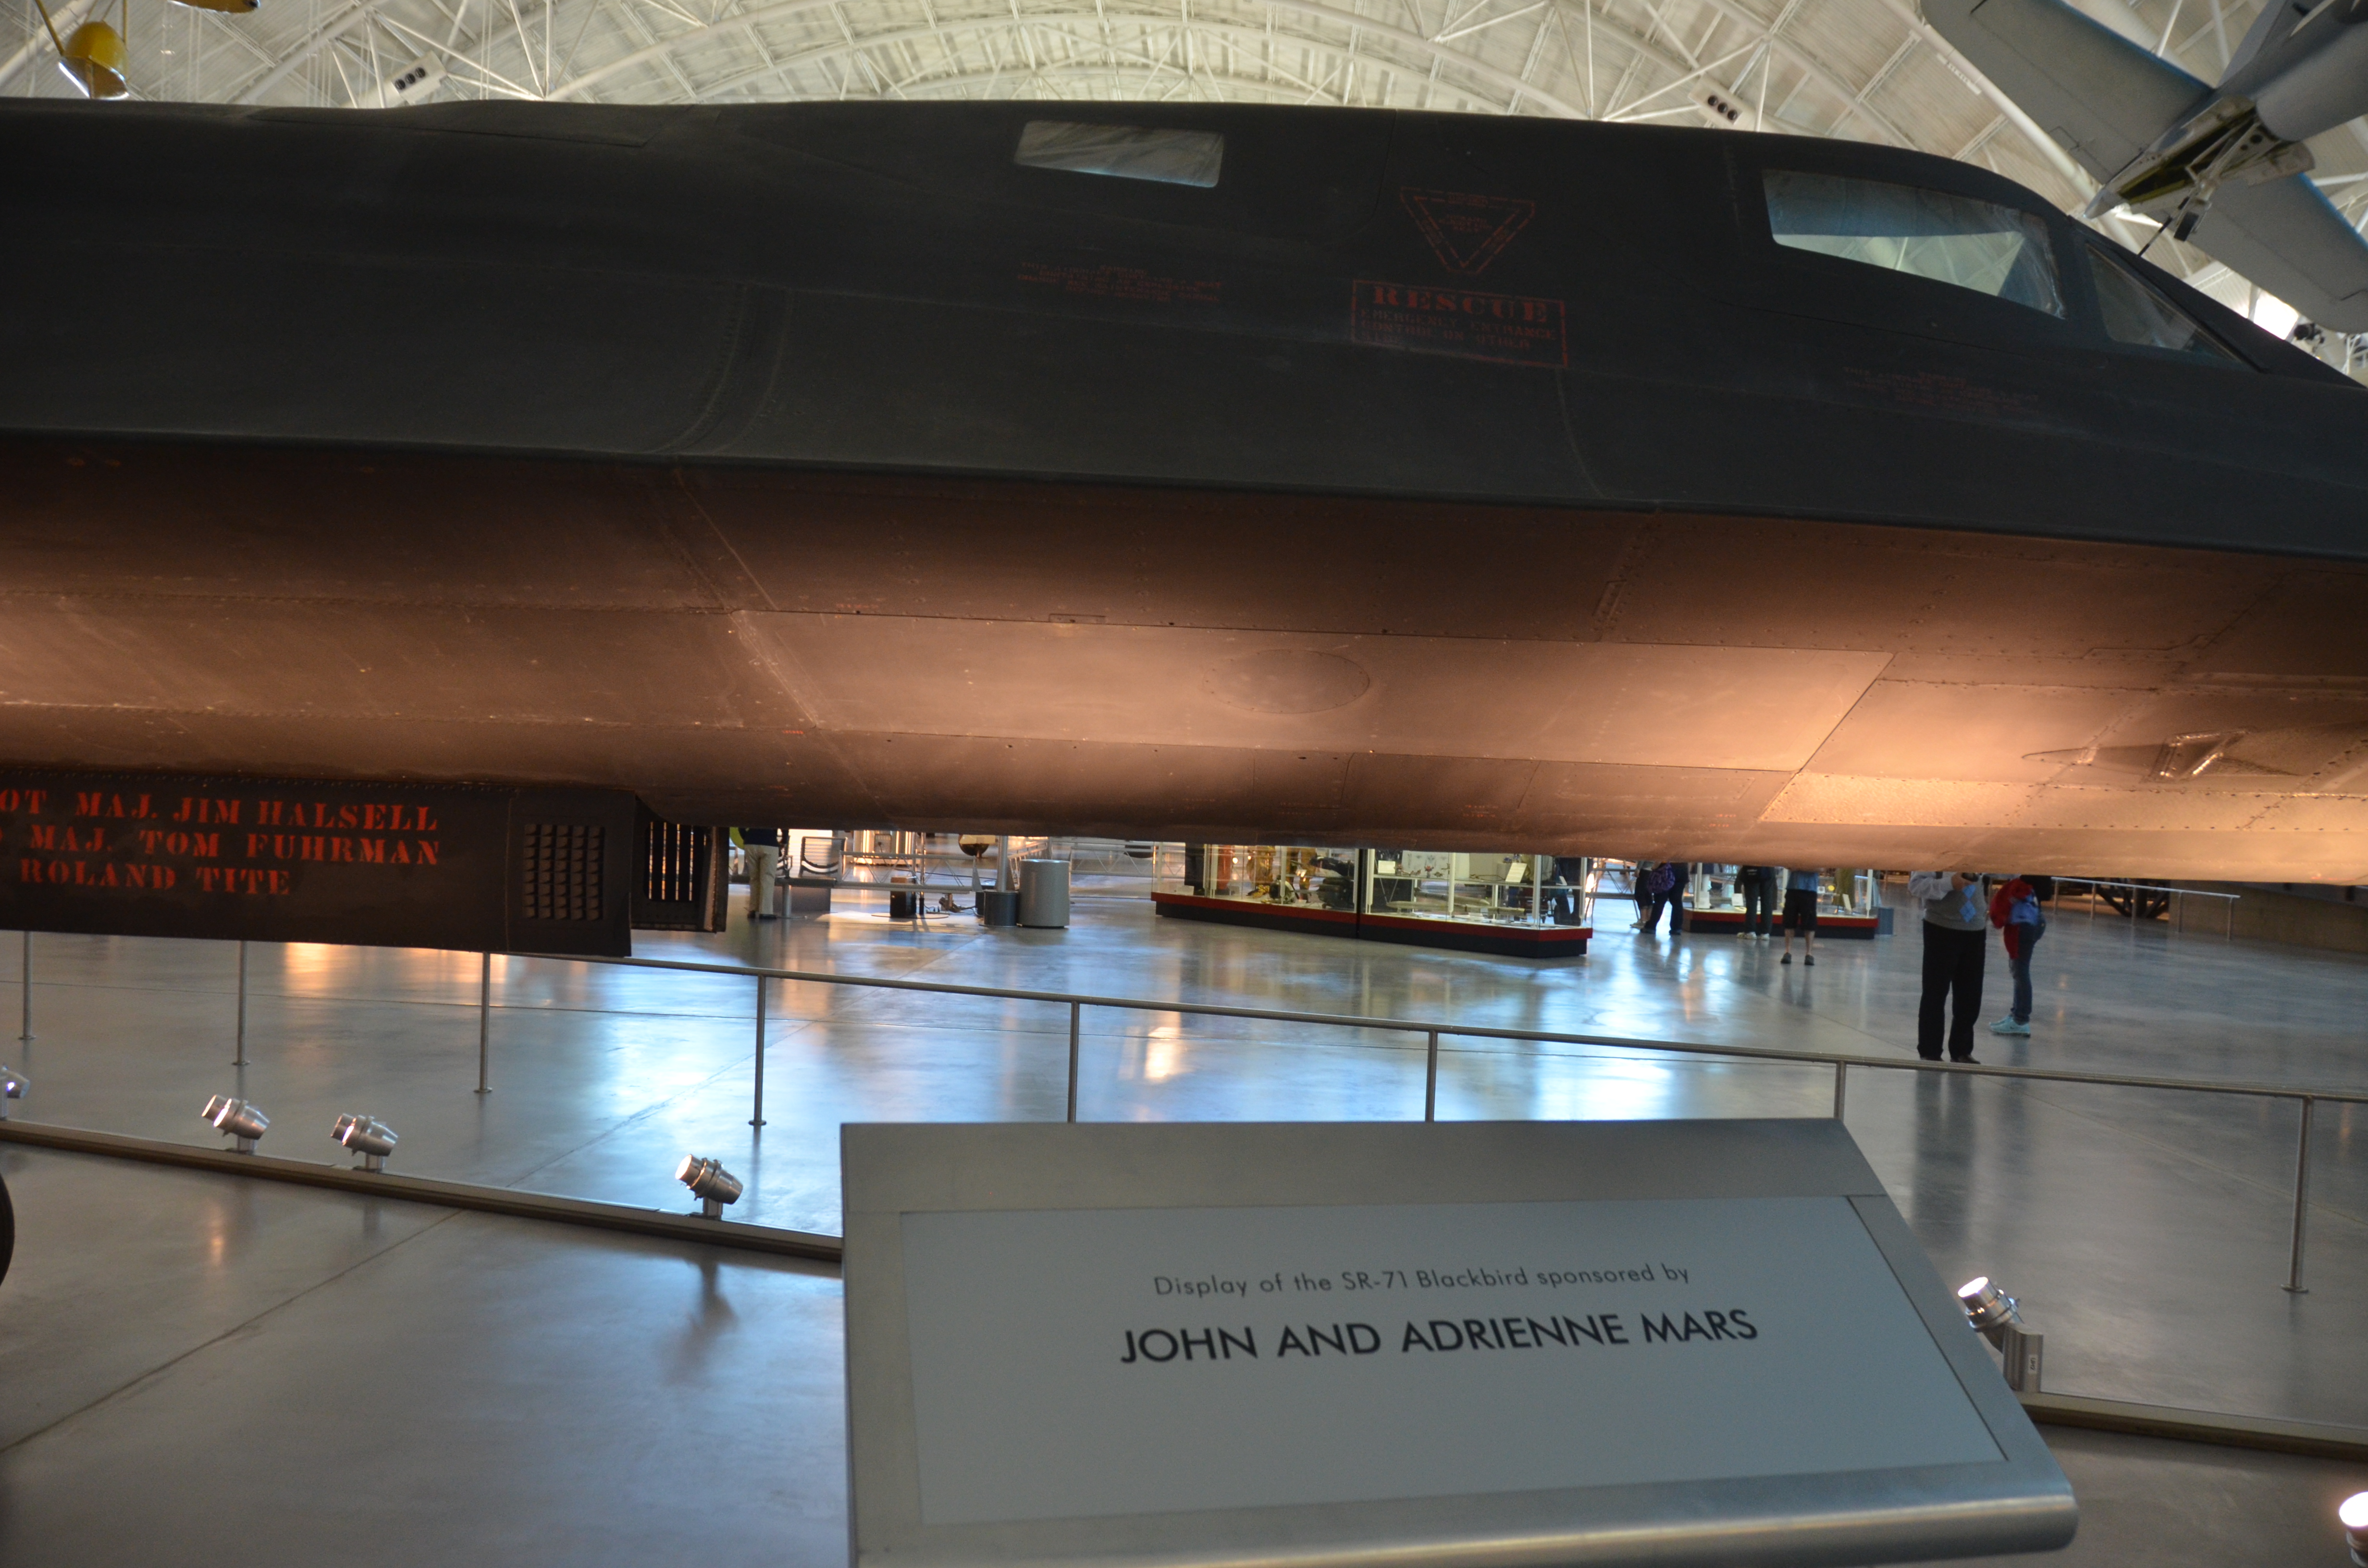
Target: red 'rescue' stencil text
(1511, 329)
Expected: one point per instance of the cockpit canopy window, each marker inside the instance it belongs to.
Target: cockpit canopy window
(2135, 312)
(1125, 152)
(1999, 251)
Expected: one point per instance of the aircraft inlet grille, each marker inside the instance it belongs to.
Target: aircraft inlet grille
(562, 871)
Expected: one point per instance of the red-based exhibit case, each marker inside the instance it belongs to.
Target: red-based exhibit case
(1521, 904)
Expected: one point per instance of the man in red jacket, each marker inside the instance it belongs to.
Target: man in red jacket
(2014, 909)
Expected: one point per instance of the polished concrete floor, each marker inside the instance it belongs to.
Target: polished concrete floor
(2146, 1231)
(201, 1370)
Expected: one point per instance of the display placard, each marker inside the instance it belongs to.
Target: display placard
(392, 864)
(1537, 1343)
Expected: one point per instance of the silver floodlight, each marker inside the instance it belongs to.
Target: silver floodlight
(710, 1182)
(2353, 1516)
(366, 1136)
(13, 1086)
(238, 1119)
(1988, 1308)
(1994, 1315)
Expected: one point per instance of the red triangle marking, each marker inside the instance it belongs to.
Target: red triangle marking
(1466, 232)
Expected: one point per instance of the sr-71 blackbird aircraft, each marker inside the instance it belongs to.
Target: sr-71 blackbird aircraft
(1219, 472)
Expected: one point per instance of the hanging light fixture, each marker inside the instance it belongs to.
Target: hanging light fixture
(95, 56)
(92, 56)
(92, 59)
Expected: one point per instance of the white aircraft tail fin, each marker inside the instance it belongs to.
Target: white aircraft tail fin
(2108, 100)
(2258, 35)
(2103, 96)
(2290, 239)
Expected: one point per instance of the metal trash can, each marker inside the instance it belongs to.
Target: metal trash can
(1044, 893)
(997, 908)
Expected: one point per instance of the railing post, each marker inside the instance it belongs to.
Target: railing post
(1430, 1081)
(1842, 1086)
(25, 976)
(757, 1116)
(484, 1021)
(2301, 1195)
(239, 1059)
(1074, 1009)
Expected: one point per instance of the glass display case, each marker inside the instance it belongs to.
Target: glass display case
(1527, 903)
(1284, 876)
(1850, 900)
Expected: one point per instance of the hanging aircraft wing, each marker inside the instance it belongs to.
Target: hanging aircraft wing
(2107, 99)
(2290, 239)
(2103, 96)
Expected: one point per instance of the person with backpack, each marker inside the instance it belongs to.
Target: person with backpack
(1657, 889)
(2014, 910)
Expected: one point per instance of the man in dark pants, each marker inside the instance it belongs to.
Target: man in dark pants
(1757, 884)
(1956, 941)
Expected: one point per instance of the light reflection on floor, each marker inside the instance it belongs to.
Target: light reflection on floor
(2086, 1199)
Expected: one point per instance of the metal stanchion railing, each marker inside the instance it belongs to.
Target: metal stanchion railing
(1075, 1007)
(757, 1116)
(25, 979)
(485, 1022)
(2176, 904)
(238, 1058)
(1430, 1031)
(2301, 1195)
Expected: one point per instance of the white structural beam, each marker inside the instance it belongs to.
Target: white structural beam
(1416, 44)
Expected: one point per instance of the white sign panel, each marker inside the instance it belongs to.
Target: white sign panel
(1115, 1361)
(1518, 1345)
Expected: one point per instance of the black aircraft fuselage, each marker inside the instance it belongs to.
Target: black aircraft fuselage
(1425, 479)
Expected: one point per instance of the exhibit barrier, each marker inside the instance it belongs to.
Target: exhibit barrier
(1431, 1031)
(2135, 891)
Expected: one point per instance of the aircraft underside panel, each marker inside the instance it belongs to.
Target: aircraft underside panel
(739, 644)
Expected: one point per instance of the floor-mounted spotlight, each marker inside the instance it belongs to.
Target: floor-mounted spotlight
(2353, 1516)
(13, 1086)
(366, 1135)
(710, 1182)
(1993, 1314)
(237, 1119)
